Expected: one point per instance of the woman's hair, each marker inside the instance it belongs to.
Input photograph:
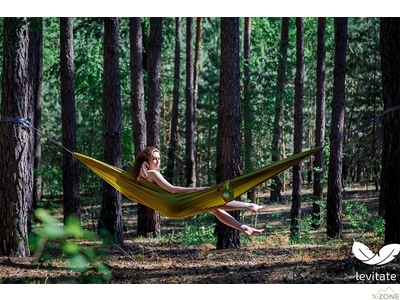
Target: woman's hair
(141, 165)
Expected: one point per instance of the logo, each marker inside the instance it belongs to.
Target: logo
(226, 195)
(385, 255)
(387, 293)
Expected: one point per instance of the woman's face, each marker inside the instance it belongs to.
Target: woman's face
(154, 161)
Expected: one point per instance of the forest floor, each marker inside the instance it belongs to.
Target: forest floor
(269, 258)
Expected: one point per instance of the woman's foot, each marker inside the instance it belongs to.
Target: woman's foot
(249, 231)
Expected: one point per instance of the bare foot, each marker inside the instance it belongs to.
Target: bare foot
(249, 231)
(254, 207)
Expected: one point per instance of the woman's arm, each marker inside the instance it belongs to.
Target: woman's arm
(155, 176)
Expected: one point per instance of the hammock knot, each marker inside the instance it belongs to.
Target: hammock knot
(22, 121)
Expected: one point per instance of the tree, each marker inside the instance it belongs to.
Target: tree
(247, 107)
(16, 143)
(111, 208)
(298, 129)
(390, 178)
(190, 107)
(196, 61)
(278, 117)
(175, 103)
(229, 121)
(148, 219)
(319, 163)
(71, 198)
(35, 70)
(154, 82)
(334, 202)
(137, 85)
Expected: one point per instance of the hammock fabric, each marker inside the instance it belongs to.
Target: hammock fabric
(183, 205)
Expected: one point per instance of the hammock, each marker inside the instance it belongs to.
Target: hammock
(176, 206)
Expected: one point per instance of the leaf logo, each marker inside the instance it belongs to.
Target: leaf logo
(386, 254)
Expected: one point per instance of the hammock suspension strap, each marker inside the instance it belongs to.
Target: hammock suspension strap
(26, 123)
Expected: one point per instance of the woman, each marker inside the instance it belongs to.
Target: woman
(146, 167)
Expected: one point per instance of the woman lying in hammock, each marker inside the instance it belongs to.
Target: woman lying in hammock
(146, 167)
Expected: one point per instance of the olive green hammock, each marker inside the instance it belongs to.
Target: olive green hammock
(191, 203)
(183, 205)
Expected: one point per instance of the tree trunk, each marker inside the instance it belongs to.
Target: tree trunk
(71, 198)
(319, 163)
(247, 110)
(334, 201)
(35, 95)
(16, 142)
(196, 65)
(196, 60)
(298, 129)
(154, 82)
(190, 108)
(229, 121)
(137, 85)
(390, 182)
(170, 174)
(148, 219)
(110, 221)
(278, 121)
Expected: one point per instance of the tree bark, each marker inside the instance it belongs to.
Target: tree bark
(170, 174)
(196, 60)
(149, 219)
(390, 178)
(229, 121)
(319, 163)
(154, 82)
(298, 129)
(35, 70)
(16, 143)
(190, 107)
(334, 201)
(247, 108)
(137, 85)
(110, 221)
(278, 118)
(71, 198)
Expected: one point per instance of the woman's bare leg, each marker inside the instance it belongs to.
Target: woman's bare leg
(240, 205)
(229, 220)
